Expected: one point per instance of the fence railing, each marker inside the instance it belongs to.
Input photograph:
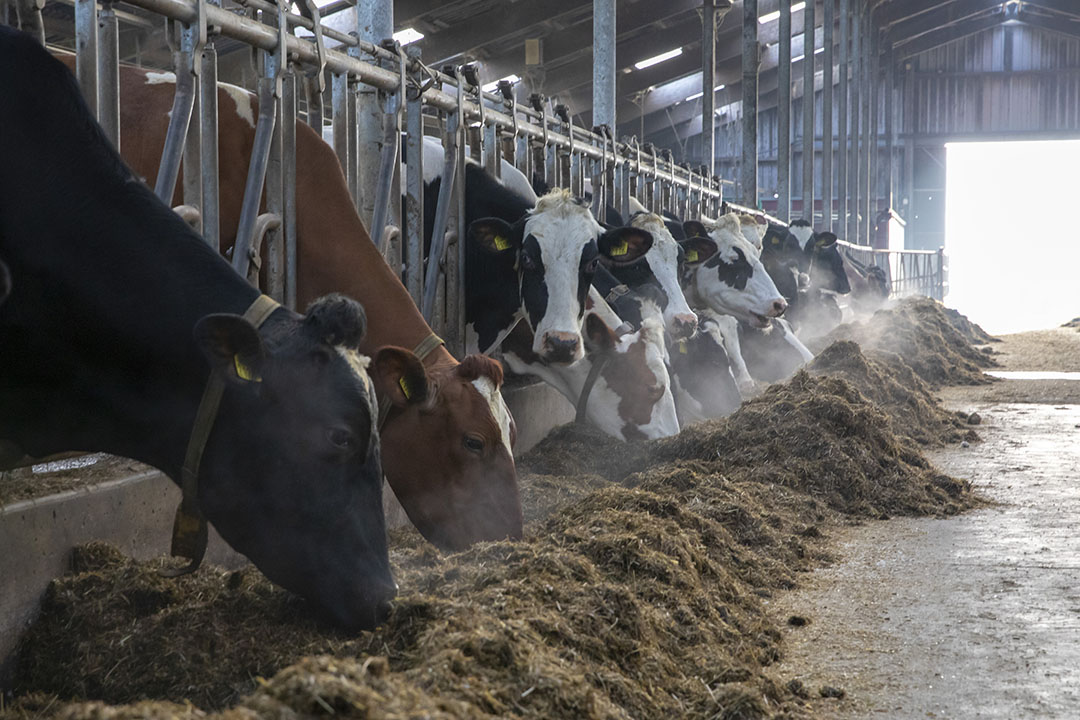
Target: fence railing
(910, 272)
(534, 136)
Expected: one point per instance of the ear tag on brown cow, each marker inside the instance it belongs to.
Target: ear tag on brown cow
(691, 256)
(619, 249)
(682, 347)
(405, 388)
(501, 243)
(243, 371)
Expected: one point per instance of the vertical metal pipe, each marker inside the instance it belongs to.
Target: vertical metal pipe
(256, 176)
(808, 113)
(866, 188)
(109, 73)
(179, 120)
(783, 116)
(273, 247)
(191, 53)
(856, 135)
(827, 117)
(86, 51)
(604, 63)
(208, 139)
(29, 15)
(287, 119)
(708, 82)
(414, 196)
(374, 23)
(748, 171)
(890, 126)
(842, 122)
(340, 109)
(909, 150)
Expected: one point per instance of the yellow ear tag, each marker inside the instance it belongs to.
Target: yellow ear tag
(775, 241)
(822, 242)
(501, 243)
(405, 388)
(682, 347)
(619, 249)
(243, 371)
(691, 256)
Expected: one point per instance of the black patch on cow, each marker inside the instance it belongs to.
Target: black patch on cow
(702, 368)
(736, 273)
(534, 291)
(624, 300)
(768, 355)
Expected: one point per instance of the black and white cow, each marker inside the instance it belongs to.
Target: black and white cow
(773, 353)
(117, 316)
(820, 259)
(533, 264)
(703, 374)
(723, 272)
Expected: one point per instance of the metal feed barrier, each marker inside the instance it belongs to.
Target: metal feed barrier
(448, 103)
(910, 272)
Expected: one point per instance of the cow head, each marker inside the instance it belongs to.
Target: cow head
(291, 475)
(821, 258)
(654, 265)
(752, 228)
(727, 276)
(451, 434)
(701, 371)
(632, 398)
(781, 255)
(5, 282)
(556, 250)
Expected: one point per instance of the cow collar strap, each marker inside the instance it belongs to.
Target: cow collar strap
(189, 536)
(423, 348)
(599, 362)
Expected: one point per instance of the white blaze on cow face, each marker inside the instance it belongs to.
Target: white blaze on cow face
(499, 411)
(802, 232)
(733, 281)
(244, 100)
(663, 260)
(560, 234)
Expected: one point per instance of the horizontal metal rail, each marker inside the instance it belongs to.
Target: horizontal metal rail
(911, 272)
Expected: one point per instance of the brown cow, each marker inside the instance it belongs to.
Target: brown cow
(446, 443)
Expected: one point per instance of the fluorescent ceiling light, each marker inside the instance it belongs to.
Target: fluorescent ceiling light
(696, 95)
(408, 35)
(493, 86)
(769, 17)
(800, 57)
(649, 62)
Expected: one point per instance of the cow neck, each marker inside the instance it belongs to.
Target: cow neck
(338, 255)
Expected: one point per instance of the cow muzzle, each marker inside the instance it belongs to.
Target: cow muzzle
(684, 325)
(561, 347)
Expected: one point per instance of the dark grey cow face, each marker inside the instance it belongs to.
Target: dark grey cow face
(820, 258)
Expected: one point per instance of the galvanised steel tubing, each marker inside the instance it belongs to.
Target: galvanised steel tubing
(374, 24)
(179, 120)
(275, 206)
(748, 170)
(783, 117)
(191, 48)
(436, 255)
(340, 122)
(208, 140)
(808, 113)
(414, 192)
(708, 79)
(604, 68)
(866, 182)
(842, 121)
(852, 230)
(109, 73)
(455, 270)
(29, 14)
(388, 162)
(288, 182)
(875, 151)
(260, 156)
(261, 36)
(826, 117)
(890, 124)
(86, 60)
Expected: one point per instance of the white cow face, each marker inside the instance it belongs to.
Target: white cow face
(659, 267)
(724, 272)
(752, 230)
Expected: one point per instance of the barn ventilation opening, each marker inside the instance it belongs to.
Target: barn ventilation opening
(1012, 233)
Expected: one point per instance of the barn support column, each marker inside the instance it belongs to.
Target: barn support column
(855, 135)
(783, 116)
(909, 144)
(808, 113)
(869, 134)
(708, 82)
(86, 51)
(29, 13)
(374, 23)
(109, 73)
(842, 122)
(890, 126)
(826, 117)
(604, 63)
(748, 171)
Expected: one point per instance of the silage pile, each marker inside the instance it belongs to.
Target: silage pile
(639, 591)
(920, 331)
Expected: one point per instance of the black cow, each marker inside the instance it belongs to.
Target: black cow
(118, 315)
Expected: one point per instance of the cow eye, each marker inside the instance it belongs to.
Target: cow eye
(590, 267)
(473, 443)
(341, 438)
(527, 262)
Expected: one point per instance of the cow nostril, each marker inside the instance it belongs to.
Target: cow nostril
(779, 306)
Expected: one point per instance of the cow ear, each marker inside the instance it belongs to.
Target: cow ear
(824, 240)
(624, 244)
(598, 336)
(697, 250)
(400, 377)
(233, 348)
(694, 228)
(494, 235)
(5, 282)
